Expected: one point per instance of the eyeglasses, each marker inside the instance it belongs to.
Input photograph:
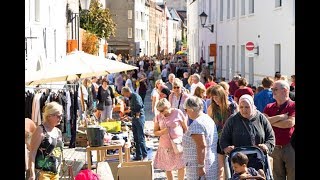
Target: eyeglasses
(59, 116)
(274, 89)
(176, 87)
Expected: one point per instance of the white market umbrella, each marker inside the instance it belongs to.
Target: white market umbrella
(76, 65)
(110, 55)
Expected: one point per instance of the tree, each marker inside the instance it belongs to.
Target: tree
(97, 20)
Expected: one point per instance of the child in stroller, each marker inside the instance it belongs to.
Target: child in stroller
(255, 159)
(239, 164)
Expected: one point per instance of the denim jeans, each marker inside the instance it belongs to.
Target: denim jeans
(138, 137)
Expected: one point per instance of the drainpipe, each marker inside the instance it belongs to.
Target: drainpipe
(237, 42)
(216, 32)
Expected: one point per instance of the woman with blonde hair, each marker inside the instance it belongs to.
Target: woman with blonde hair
(155, 96)
(220, 110)
(177, 97)
(46, 145)
(169, 124)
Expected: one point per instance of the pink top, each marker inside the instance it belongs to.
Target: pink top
(173, 122)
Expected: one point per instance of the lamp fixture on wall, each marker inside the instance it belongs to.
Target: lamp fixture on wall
(85, 4)
(203, 19)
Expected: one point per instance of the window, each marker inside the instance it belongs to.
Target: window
(278, 3)
(142, 16)
(129, 32)
(277, 56)
(228, 63)
(228, 9)
(243, 61)
(251, 6)
(220, 61)
(37, 10)
(233, 56)
(142, 34)
(129, 14)
(243, 7)
(210, 13)
(233, 8)
(137, 15)
(221, 10)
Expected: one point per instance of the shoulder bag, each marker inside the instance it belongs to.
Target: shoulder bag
(176, 144)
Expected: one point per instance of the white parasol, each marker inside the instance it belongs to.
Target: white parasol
(76, 65)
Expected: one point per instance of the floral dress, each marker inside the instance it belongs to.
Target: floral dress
(165, 157)
(202, 125)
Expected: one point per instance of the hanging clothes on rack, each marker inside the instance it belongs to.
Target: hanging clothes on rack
(73, 112)
(28, 99)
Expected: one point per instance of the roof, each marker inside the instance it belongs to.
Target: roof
(174, 14)
(182, 14)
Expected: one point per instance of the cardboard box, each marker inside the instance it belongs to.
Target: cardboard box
(138, 170)
(114, 168)
(104, 171)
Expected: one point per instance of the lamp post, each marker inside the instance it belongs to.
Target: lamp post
(203, 19)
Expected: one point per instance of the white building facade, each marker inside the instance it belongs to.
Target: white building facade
(199, 38)
(269, 25)
(174, 32)
(140, 25)
(45, 32)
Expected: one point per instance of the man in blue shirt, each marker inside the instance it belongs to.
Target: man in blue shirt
(138, 120)
(265, 96)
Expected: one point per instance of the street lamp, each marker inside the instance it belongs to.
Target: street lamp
(85, 4)
(203, 19)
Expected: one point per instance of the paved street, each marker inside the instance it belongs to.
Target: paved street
(79, 154)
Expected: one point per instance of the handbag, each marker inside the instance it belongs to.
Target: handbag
(176, 145)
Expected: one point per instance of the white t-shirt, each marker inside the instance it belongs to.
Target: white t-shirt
(129, 84)
(194, 86)
(155, 94)
(84, 92)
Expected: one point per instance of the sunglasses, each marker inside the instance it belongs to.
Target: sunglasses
(176, 87)
(161, 111)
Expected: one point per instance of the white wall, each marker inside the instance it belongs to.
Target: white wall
(140, 24)
(272, 25)
(199, 39)
(170, 36)
(49, 32)
(147, 25)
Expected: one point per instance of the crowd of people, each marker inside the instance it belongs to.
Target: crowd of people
(221, 116)
(209, 117)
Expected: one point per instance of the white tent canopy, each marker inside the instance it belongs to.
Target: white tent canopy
(76, 65)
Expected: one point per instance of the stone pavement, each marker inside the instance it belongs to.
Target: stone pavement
(79, 155)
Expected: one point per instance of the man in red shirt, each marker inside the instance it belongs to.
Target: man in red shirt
(281, 115)
(233, 85)
(210, 82)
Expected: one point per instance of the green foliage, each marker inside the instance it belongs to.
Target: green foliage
(97, 20)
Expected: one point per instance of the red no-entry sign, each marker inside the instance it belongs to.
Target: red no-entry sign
(249, 46)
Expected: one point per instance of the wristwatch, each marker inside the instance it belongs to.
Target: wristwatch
(200, 165)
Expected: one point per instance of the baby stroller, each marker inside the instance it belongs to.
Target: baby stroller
(257, 160)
